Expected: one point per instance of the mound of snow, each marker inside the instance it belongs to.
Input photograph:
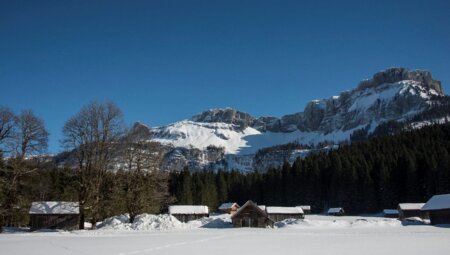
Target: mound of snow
(338, 223)
(156, 222)
(119, 222)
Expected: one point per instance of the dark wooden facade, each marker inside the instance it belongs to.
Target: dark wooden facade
(251, 216)
(188, 217)
(439, 216)
(403, 214)
(54, 221)
(283, 216)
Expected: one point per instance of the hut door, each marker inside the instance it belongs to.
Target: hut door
(247, 222)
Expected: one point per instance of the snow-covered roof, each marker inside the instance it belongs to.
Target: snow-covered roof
(283, 210)
(304, 207)
(188, 209)
(262, 207)
(335, 210)
(411, 206)
(228, 206)
(54, 207)
(390, 211)
(437, 202)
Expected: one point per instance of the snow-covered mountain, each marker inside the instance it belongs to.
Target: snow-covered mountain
(394, 94)
(231, 139)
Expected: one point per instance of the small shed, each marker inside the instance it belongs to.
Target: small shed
(438, 209)
(54, 215)
(336, 211)
(278, 213)
(390, 213)
(251, 216)
(306, 208)
(408, 210)
(185, 213)
(229, 208)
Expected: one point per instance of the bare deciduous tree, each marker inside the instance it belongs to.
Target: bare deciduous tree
(92, 134)
(32, 137)
(7, 127)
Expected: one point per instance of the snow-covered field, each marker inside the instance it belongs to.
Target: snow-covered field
(163, 235)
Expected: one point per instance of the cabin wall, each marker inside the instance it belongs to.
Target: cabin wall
(412, 213)
(54, 221)
(251, 217)
(440, 217)
(391, 215)
(188, 217)
(279, 217)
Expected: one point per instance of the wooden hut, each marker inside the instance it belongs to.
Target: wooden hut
(229, 208)
(390, 213)
(54, 215)
(306, 208)
(336, 211)
(185, 213)
(278, 213)
(409, 210)
(250, 215)
(438, 209)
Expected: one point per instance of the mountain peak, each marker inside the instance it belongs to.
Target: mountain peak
(225, 115)
(397, 74)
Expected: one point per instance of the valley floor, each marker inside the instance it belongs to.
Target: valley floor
(314, 235)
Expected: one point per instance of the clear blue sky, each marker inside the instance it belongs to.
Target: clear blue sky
(163, 61)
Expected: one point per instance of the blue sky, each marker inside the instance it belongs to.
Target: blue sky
(163, 61)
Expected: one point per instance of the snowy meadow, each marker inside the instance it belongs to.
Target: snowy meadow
(163, 234)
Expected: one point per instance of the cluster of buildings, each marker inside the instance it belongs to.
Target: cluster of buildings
(65, 215)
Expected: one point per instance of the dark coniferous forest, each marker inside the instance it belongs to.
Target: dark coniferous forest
(363, 177)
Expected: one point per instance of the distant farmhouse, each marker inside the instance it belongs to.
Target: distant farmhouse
(229, 208)
(252, 216)
(54, 215)
(278, 213)
(305, 208)
(390, 213)
(438, 208)
(337, 211)
(409, 210)
(185, 213)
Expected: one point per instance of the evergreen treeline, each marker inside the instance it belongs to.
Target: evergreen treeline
(362, 177)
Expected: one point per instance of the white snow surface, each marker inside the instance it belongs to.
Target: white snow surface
(54, 207)
(283, 210)
(304, 207)
(188, 209)
(313, 235)
(189, 134)
(411, 206)
(437, 202)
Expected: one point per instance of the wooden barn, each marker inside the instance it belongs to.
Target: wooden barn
(337, 211)
(54, 215)
(409, 210)
(185, 213)
(306, 208)
(390, 213)
(229, 208)
(438, 209)
(251, 216)
(278, 213)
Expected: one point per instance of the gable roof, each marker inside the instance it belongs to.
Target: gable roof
(188, 209)
(54, 207)
(390, 211)
(410, 206)
(304, 207)
(228, 206)
(283, 210)
(437, 202)
(335, 210)
(247, 204)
